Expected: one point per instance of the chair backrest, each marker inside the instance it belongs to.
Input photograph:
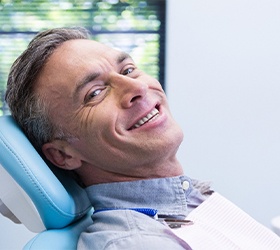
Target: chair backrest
(30, 191)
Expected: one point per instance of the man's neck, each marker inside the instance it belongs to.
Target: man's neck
(91, 175)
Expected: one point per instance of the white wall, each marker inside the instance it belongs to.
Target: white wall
(223, 84)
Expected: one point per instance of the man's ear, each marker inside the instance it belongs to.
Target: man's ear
(61, 155)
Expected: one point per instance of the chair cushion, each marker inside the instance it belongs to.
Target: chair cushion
(58, 201)
(60, 239)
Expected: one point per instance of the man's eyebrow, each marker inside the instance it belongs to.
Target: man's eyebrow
(123, 56)
(83, 82)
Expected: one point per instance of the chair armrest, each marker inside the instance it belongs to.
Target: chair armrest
(60, 239)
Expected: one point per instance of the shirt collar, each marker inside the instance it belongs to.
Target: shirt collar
(169, 196)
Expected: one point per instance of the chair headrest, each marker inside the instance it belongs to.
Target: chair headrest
(58, 199)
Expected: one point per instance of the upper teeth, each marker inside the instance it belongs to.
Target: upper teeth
(146, 118)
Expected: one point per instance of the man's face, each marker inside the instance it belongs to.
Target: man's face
(118, 114)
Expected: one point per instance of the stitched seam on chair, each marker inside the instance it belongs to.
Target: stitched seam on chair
(33, 240)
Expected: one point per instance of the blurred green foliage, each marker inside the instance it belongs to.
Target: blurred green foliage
(130, 25)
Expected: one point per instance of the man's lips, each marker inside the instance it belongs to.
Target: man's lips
(145, 119)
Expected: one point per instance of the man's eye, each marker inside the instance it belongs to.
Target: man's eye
(93, 94)
(128, 71)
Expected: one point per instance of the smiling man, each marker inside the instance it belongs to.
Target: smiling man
(118, 118)
(88, 109)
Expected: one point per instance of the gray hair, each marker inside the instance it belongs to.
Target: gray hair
(26, 106)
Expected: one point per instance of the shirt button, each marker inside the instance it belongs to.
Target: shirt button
(185, 185)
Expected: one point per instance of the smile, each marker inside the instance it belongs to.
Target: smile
(154, 113)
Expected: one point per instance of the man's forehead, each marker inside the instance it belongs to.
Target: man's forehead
(76, 61)
(82, 41)
(85, 47)
(80, 45)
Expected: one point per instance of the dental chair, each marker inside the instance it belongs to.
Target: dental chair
(43, 198)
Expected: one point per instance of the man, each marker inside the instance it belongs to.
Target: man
(90, 110)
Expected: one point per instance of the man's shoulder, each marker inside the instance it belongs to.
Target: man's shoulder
(127, 229)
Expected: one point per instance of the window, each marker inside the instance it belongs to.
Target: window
(135, 26)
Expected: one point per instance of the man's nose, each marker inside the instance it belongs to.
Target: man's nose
(129, 90)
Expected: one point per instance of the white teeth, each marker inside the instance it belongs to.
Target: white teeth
(146, 118)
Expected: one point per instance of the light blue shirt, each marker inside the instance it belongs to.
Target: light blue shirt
(120, 227)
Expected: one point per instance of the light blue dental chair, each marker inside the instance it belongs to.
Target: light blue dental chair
(53, 205)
